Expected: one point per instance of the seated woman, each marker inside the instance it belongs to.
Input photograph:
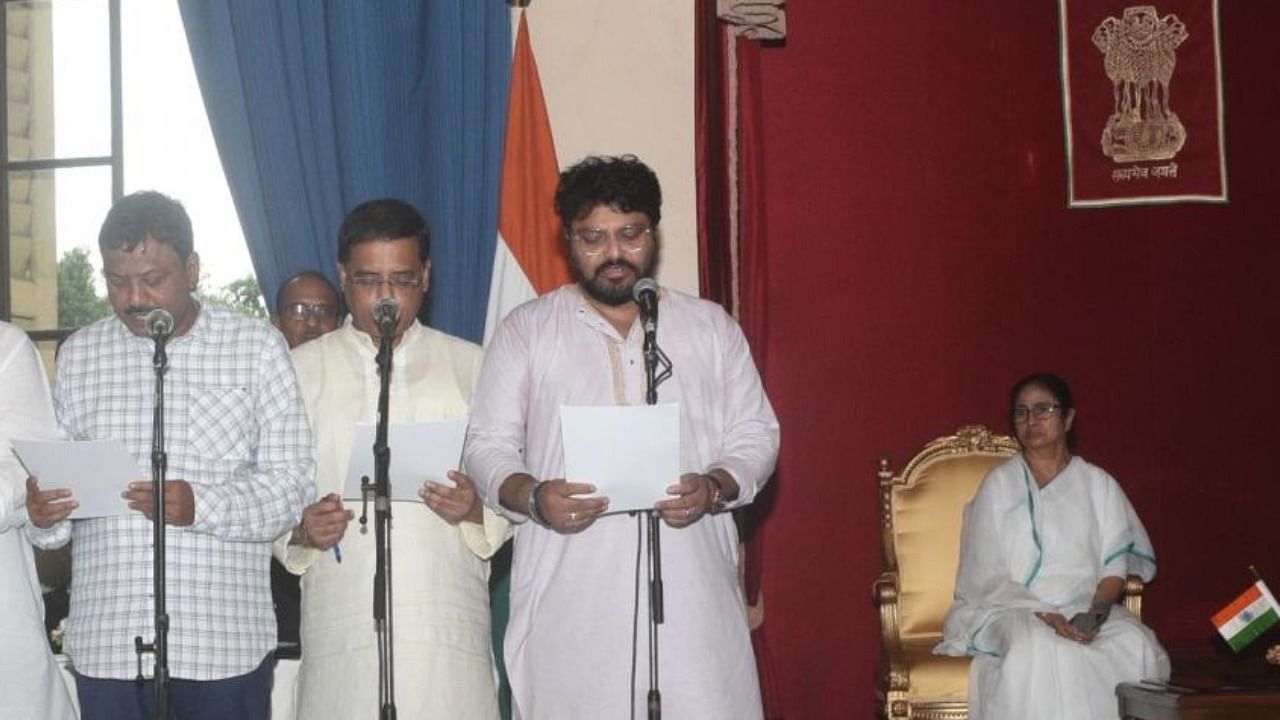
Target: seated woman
(1048, 540)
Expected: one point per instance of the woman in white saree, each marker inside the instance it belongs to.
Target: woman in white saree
(1048, 540)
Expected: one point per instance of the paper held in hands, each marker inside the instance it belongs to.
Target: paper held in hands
(95, 471)
(419, 452)
(631, 453)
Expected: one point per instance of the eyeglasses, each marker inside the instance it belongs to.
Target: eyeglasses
(301, 311)
(592, 241)
(1039, 411)
(370, 282)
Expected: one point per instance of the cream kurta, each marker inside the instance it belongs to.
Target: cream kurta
(31, 687)
(443, 659)
(1027, 549)
(573, 597)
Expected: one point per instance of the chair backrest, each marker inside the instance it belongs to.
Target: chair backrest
(922, 511)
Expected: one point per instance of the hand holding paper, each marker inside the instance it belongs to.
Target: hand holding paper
(692, 501)
(570, 507)
(45, 508)
(179, 501)
(61, 465)
(453, 504)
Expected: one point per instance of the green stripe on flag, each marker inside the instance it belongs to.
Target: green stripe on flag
(1256, 627)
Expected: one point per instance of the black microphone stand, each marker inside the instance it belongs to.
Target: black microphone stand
(380, 488)
(159, 467)
(654, 359)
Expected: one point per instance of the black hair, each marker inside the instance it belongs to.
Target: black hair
(623, 183)
(1055, 386)
(384, 219)
(143, 215)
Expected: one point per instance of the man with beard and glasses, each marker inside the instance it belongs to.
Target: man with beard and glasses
(571, 650)
(239, 473)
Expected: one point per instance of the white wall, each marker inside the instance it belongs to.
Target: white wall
(618, 78)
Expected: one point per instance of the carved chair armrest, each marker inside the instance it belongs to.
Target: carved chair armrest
(1133, 588)
(886, 595)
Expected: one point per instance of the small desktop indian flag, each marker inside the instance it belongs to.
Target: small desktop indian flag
(1248, 616)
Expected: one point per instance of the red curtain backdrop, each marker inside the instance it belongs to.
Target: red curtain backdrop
(715, 142)
(712, 145)
(921, 258)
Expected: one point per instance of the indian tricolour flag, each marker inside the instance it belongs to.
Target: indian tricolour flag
(530, 258)
(1248, 616)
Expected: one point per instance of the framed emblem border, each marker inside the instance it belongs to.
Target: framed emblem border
(1134, 183)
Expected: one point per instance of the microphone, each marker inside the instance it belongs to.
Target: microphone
(386, 313)
(159, 324)
(645, 293)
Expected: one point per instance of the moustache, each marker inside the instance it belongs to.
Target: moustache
(619, 263)
(139, 313)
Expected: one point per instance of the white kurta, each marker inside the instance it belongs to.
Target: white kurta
(1026, 549)
(31, 686)
(443, 658)
(569, 643)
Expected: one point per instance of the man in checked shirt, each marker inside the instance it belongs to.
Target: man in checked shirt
(240, 469)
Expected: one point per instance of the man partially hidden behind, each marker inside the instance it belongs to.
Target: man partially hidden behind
(571, 648)
(307, 306)
(240, 467)
(443, 662)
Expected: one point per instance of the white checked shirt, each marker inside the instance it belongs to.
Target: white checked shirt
(236, 430)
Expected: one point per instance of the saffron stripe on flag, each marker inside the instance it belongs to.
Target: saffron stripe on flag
(1247, 598)
(530, 255)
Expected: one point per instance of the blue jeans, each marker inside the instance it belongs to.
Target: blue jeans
(244, 697)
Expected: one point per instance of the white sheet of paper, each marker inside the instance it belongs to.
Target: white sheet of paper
(60, 464)
(419, 452)
(631, 453)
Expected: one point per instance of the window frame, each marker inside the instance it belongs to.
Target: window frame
(115, 159)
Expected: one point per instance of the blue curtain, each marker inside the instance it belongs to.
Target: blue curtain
(318, 106)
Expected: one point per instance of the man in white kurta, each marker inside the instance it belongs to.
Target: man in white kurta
(573, 596)
(31, 685)
(443, 659)
(1027, 549)
(575, 647)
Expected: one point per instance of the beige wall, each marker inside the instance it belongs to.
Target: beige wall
(618, 78)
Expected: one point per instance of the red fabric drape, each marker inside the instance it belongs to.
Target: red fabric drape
(715, 104)
(715, 270)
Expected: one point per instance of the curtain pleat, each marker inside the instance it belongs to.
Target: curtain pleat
(731, 262)
(316, 107)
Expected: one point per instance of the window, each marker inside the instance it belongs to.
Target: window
(102, 100)
(57, 154)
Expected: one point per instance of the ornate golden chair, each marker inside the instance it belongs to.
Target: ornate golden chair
(921, 513)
